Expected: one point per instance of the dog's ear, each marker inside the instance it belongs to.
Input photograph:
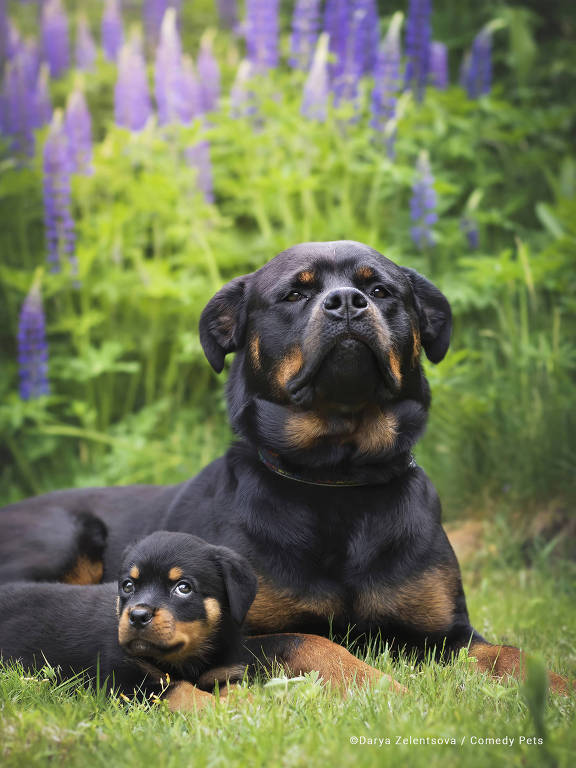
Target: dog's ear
(240, 580)
(223, 322)
(434, 314)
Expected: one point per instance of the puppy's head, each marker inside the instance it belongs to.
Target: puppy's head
(178, 597)
(331, 327)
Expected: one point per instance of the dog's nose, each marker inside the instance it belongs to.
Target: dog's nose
(141, 615)
(345, 303)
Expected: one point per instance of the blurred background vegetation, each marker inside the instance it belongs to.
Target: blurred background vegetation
(132, 398)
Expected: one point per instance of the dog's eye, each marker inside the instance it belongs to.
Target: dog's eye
(295, 296)
(379, 292)
(128, 586)
(183, 588)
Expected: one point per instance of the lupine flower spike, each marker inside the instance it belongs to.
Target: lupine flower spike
(418, 38)
(132, 107)
(262, 33)
(228, 13)
(208, 74)
(85, 48)
(192, 94)
(470, 229)
(42, 100)
(423, 204)
(169, 84)
(337, 26)
(387, 83)
(78, 127)
(58, 221)
(242, 103)
(316, 87)
(154, 11)
(365, 32)
(305, 30)
(55, 43)
(112, 30)
(32, 346)
(476, 75)
(18, 107)
(438, 75)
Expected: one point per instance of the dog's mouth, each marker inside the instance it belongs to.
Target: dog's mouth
(348, 373)
(142, 647)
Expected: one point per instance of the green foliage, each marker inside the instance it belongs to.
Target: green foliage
(133, 398)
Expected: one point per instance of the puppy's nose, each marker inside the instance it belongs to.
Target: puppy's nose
(141, 615)
(345, 303)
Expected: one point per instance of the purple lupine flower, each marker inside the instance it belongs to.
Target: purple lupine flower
(336, 24)
(42, 114)
(58, 220)
(438, 66)
(169, 87)
(423, 204)
(112, 29)
(13, 39)
(476, 73)
(470, 228)
(305, 30)
(192, 92)
(78, 127)
(198, 156)
(55, 43)
(4, 32)
(209, 75)
(85, 50)
(228, 13)
(242, 101)
(132, 107)
(316, 88)
(387, 83)
(18, 96)
(154, 11)
(32, 346)
(418, 38)
(365, 27)
(262, 33)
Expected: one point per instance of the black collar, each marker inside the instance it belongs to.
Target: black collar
(273, 462)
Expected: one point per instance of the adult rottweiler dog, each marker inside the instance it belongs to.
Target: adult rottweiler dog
(321, 493)
(170, 626)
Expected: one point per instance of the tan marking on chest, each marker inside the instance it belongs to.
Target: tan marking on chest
(273, 608)
(425, 602)
(377, 432)
(84, 571)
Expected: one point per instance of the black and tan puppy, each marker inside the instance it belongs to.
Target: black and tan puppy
(174, 615)
(321, 493)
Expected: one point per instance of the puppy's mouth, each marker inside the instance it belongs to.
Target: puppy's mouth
(146, 648)
(348, 372)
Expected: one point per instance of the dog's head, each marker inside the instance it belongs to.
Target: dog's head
(178, 596)
(334, 329)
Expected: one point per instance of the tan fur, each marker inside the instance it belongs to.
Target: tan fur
(255, 351)
(274, 609)
(416, 347)
(506, 661)
(221, 675)
(303, 429)
(426, 602)
(134, 572)
(365, 273)
(185, 697)
(85, 571)
(175, 573)
(377, 432)
(288, 367)
(394, 359)
(306, 277)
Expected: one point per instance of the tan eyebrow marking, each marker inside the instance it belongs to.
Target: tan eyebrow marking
(134, 572)
(175, 573)
(306, 277)
(365, 273)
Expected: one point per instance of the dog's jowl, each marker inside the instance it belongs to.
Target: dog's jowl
(321, 493)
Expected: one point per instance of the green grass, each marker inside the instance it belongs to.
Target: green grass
(43, 723)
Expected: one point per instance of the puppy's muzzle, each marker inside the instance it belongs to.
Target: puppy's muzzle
(140, 616)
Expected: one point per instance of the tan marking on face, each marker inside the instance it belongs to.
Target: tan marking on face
(365, 273)
(213, 610)
(394, 359)
(416, 347)
(255, 351)
(117, 606)
(85, 571)
(134, 572)
(425, 602)
(288, 367)
(125, 632)
(275, 609)
(377, 432)
(175, 573)
(306, 277)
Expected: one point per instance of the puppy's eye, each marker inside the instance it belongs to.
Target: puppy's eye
(128, 586)
(379, 292)
(295, 296)
(183, 588)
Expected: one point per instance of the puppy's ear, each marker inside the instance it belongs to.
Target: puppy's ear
(434, 314)
(240, 580)
(223, 322)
